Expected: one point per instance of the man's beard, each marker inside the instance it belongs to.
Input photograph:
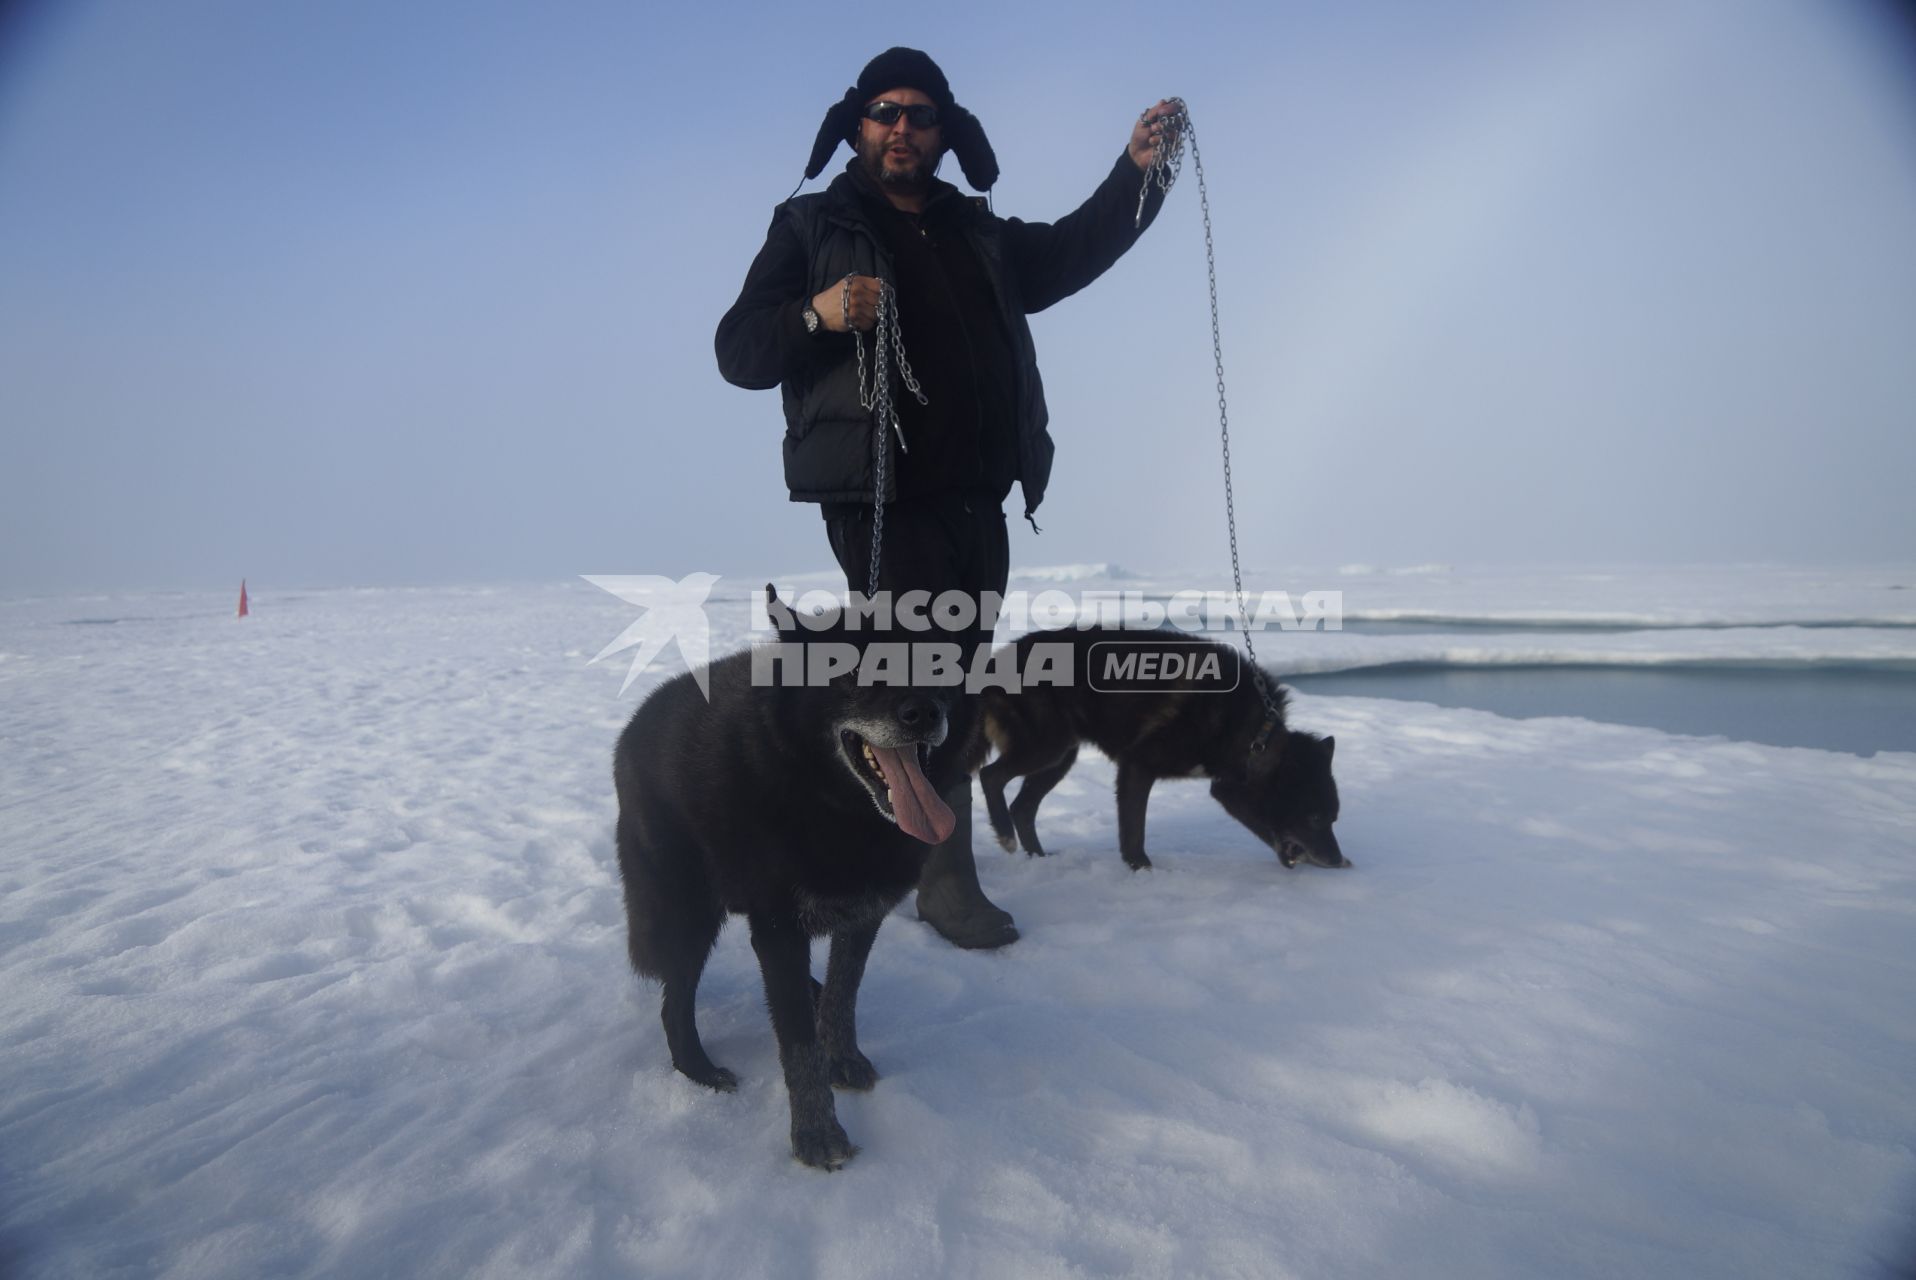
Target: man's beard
(910, 181)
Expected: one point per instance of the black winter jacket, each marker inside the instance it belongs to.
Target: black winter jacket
(815, 240)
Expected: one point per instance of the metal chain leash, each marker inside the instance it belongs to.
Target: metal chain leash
(1164, 169)
(888, 343)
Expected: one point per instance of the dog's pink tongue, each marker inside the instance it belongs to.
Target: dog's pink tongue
(917, 807)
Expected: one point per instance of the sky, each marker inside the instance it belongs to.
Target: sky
(365, 294)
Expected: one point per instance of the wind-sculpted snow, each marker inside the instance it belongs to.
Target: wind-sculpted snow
(1754, 617)
(313, 966)
(1887, 649)
(1509, 598)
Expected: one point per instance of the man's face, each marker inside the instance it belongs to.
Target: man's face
(898, 155)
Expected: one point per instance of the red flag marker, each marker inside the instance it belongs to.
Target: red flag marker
(242, 608)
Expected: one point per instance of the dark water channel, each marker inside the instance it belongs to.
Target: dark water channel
(1861, 710)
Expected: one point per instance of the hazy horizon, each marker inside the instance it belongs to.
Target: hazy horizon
(350, 296)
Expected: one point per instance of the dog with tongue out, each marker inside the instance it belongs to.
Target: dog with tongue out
(804, 796)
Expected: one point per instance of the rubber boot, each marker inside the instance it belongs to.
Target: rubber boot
(949, 899)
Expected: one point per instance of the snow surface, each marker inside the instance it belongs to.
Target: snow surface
(1777, 646)
(314, 965)
(1679, 596)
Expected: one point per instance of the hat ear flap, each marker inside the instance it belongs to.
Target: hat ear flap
(966, 138)
(839, 123)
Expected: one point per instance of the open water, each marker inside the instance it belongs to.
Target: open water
(1861, 709)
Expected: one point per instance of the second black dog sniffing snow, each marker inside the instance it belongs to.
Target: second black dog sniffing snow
(1161, 705)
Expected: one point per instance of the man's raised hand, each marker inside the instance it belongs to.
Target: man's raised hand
(1155, 130)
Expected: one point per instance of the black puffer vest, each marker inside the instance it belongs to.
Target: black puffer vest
(828, 434)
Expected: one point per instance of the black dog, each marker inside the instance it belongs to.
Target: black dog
(1160, 704)
(809, 810)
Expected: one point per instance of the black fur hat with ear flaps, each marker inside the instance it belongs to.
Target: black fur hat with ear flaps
(901, 68)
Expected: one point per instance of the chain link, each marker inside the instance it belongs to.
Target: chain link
(1168, 161)
(888, 343)
(1164, 169)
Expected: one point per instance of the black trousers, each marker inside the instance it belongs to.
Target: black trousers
(949, 542)
(943, 542)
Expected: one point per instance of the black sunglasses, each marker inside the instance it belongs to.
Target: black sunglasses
(922, 115)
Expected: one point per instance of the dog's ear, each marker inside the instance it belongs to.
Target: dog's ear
(777, 610)
(1330, 746)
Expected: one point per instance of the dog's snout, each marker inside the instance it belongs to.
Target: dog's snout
(918, 713)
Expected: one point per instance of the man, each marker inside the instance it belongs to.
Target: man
(964, 280)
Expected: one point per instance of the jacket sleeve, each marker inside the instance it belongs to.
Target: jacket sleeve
(1055, 260)
(762, 340)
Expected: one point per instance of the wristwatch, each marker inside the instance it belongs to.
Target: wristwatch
(811, 319)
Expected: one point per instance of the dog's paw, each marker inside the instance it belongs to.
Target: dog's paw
(1139, 863)
(713, 1077)
(1007, 842)
(853, 1071)
(823, 1146)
